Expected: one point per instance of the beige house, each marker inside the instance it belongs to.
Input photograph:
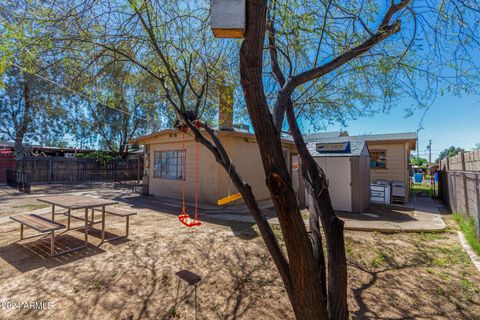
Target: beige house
(163, 165)
(389, 155)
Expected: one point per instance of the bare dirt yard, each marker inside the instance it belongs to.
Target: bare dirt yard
(391, 276)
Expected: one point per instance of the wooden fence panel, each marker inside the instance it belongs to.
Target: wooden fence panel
(72, 170)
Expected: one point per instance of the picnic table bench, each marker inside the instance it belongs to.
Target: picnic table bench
(40, 224)
(120, 213)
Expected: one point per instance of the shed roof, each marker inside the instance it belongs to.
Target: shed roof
(355, 150)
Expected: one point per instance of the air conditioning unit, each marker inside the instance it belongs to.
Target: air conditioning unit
(380, 193)
(399, 192)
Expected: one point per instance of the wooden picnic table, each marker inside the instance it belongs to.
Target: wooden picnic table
(78, 202)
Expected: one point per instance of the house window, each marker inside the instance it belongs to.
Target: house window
(378, 159)
(168, 164)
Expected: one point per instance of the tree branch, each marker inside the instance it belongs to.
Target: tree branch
(342, 59)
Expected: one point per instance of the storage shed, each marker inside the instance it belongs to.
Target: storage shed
(347, 167)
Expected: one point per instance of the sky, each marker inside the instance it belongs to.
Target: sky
(450, 121)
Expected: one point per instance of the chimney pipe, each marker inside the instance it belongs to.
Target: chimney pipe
(225, 109)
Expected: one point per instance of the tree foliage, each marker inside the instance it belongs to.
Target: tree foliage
(31, 108)
(418, 161)
(449, 152)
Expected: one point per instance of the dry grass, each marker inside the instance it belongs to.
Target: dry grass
(396, 276)
(411, 276)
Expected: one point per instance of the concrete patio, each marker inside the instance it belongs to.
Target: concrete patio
(420, 215)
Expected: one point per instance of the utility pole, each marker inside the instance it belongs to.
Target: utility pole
(429, 147)
(418, 145)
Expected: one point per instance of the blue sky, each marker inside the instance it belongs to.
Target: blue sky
(450, 121)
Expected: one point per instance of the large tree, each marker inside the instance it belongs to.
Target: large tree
(129, 102)
(32, 105)
(310, 47)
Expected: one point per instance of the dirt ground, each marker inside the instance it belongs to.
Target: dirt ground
(391, 276)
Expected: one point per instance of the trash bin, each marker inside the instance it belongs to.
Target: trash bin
(418, 177)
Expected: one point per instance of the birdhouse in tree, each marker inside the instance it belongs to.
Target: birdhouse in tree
(228, 18)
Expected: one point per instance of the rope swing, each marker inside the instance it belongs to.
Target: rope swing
(230, 197)
(184, 216)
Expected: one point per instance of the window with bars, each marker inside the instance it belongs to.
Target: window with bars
(168, 164)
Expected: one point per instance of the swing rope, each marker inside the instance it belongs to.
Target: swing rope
(184, 211)
(196, 181)
(184, 217)
(229, 177)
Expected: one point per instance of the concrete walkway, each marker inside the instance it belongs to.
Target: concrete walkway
(423, 217)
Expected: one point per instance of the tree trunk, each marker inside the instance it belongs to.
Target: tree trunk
(317, 185)
(24, 123)
(19, 146)
(123, 151)
(310, 302)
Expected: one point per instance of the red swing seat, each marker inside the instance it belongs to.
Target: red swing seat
(187, 221)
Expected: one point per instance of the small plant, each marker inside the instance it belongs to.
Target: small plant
(173, 312)
(379, 260)
(166, 280)
(75, 290)
(97, 285)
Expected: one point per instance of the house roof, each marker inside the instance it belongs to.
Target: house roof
(408, 137)
(355, 149)
(324, 135)
(222, 133)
